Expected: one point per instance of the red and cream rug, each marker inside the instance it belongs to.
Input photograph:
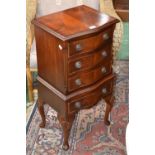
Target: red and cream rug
(89, 135)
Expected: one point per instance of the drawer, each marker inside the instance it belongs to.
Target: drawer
(91, 43)
(88, 77)
(91, 98)
(90, 60)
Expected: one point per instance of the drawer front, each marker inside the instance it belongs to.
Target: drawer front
(90, 99)
(91, 60)
(91, 43)
(89, 77)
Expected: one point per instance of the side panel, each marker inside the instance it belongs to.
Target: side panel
(51, 60)
(52, 99)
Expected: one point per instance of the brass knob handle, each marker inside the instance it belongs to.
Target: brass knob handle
(78, 64)
(104, 90)
(104, 54)
(77, 105)
(103, 70)
(78, 47)
(105, 36)
(78, 82)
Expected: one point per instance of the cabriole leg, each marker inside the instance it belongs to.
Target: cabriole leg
(66, 125)
(41, 111)
(109, 104)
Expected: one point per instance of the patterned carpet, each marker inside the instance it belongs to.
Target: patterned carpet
(89, 135)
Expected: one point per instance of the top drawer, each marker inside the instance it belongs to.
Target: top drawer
(89, 44)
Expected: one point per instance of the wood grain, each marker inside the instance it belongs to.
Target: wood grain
(79, 34)
(74, 22)
(90, 60)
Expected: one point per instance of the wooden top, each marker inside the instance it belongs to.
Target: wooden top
(74, 22)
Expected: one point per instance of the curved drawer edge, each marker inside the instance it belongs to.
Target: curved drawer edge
(78, 92)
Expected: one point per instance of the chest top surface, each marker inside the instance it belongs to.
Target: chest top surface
(74, 22)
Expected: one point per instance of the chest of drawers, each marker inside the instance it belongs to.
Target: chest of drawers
(74, 54)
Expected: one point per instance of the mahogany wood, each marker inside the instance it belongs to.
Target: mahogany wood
(109, 104)
(41, 111)
(51, 61)
(71, 45)
(89, 77)
(90, 43)
(52, 99)
(75, 22)
(66, 126)
(77, 93)
(122, 9)
(89, 60)
(89, 99)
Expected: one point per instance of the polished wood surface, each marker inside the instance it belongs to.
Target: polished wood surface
(41, 111)
(66, 126)
(52, 99)
(89, 77)
(90, 60)
(53, 71)
(91, 43)
(74, 53)
(109, 104)
(77, 93)
(74, 22)
(89, 99)
(122, 9)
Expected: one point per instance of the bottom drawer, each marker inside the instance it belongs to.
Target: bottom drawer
(91, 98)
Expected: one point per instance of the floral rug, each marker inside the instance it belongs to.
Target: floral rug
(89, 135)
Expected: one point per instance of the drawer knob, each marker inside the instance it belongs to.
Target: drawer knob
(78, 82)
(104, 54)
(77, 105)
(78, 47)
(105, 36)
(104, 90)
(103, 70)
(78, 64)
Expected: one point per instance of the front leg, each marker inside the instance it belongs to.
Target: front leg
(66, 125)
(41, 111)
(109, 104)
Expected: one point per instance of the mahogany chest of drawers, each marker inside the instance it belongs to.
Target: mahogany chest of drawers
(74, 53)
